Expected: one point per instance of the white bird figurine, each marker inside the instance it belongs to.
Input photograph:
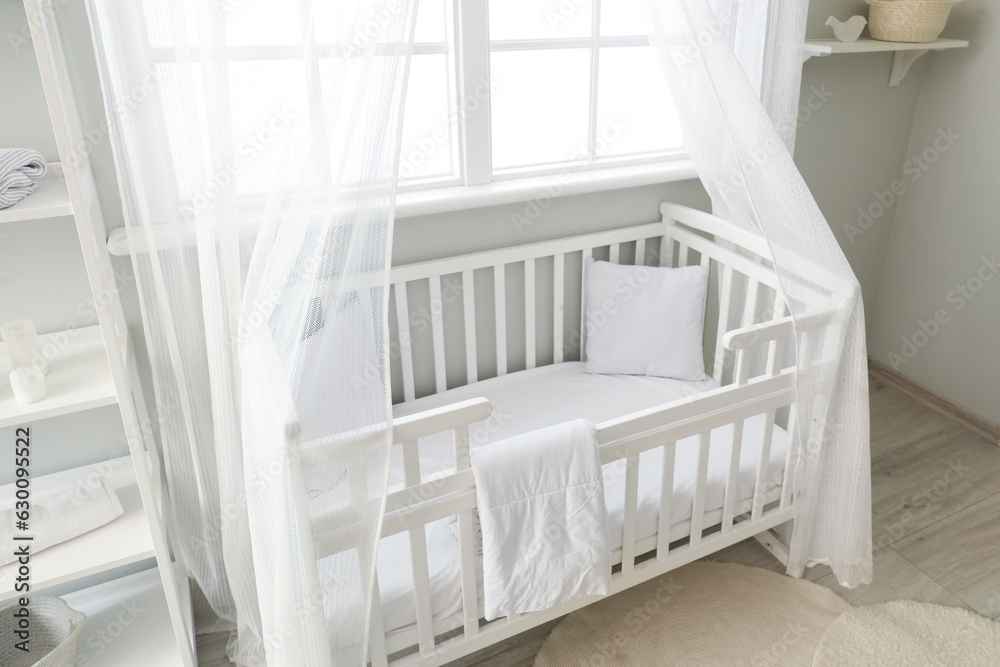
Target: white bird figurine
(849, 30)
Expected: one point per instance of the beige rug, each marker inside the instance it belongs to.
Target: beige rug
(702, 614)
(906, 633)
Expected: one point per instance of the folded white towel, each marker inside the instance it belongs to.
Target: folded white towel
(18, 166)
(77, 512)
(541, 505)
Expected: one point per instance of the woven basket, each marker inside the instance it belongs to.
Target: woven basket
(54, 634)
(908, 20)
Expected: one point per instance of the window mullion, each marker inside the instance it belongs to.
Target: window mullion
(595, 61)
(474, 90)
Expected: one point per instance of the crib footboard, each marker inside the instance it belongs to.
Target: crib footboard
(687, 423)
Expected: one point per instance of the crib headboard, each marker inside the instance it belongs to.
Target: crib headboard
(470, 317)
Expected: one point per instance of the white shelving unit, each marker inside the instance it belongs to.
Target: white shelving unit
(89, 368)
(906, 53)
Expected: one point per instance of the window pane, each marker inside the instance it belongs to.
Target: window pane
(531, 19)
(539, 106)
(634, 110)
(427, 146)
(622, 17)
(430, 21)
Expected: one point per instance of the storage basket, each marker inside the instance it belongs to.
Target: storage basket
(54, 630)
(908, 20)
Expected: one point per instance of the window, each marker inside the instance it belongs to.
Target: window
(515, 88)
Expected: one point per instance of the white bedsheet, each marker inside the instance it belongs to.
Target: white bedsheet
(540, 397)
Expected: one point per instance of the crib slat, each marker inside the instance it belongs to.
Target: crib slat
(787, 479)
(640, 252)
(437, 333)
(666, 501)
(466, 536)
(469, 302)
(666, 255)
(418, 557)
(500, 305)
(376, 645)
(559, 303)
(529, 313)
(750, 310)
(682, 255)
(631, 506)
(615, 252)
(700, 482)
(405, 351)
(732, 478)
(725, 302)
(588, 253)
(763, 467)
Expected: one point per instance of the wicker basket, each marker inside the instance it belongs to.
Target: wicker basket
(54, 634)
(908, 20)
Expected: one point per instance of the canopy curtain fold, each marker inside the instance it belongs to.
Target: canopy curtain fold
(257, 170)
(741, 150)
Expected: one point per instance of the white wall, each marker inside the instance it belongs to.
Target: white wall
(947, 223)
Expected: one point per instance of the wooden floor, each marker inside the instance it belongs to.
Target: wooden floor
(935, 517)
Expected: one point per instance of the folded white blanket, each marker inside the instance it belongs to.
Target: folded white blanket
(541, 505)
(73, 514)
(18, 166)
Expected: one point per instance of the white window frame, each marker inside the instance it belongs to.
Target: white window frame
(480, 185)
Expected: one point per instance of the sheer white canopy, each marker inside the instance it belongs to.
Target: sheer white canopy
(715, 76)
(258, 180)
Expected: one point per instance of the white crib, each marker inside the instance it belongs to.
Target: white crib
(459, 320)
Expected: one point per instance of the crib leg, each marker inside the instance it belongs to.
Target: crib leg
(778, 549)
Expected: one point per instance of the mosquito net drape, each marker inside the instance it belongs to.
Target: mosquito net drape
(717, 80)
(257, 170)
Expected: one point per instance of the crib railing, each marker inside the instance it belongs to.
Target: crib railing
(753, 347)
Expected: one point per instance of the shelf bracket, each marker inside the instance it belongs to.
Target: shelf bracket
(901, 63)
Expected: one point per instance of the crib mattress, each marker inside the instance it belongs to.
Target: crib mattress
(531, 399)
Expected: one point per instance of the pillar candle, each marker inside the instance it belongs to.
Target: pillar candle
(28, 385)
(23, 347)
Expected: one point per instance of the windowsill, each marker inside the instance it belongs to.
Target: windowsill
(458, 198)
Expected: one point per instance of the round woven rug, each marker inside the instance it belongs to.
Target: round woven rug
(905, 633)
(701, 614)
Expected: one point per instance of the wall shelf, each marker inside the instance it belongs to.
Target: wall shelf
(121, 542)
(79, 378)
(49, 200)
(128, 623)
(906, 53)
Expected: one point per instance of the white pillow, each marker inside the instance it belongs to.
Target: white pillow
(644, 320)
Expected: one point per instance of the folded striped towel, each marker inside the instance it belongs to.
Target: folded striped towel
(18, 166)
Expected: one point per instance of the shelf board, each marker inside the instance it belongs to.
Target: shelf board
(49, 200)
(147, 640)
(121, 542)
(79, 379)
(905, 53)
(827, 47)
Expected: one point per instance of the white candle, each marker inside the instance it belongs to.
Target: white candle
(28, 385)
(23, 347)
